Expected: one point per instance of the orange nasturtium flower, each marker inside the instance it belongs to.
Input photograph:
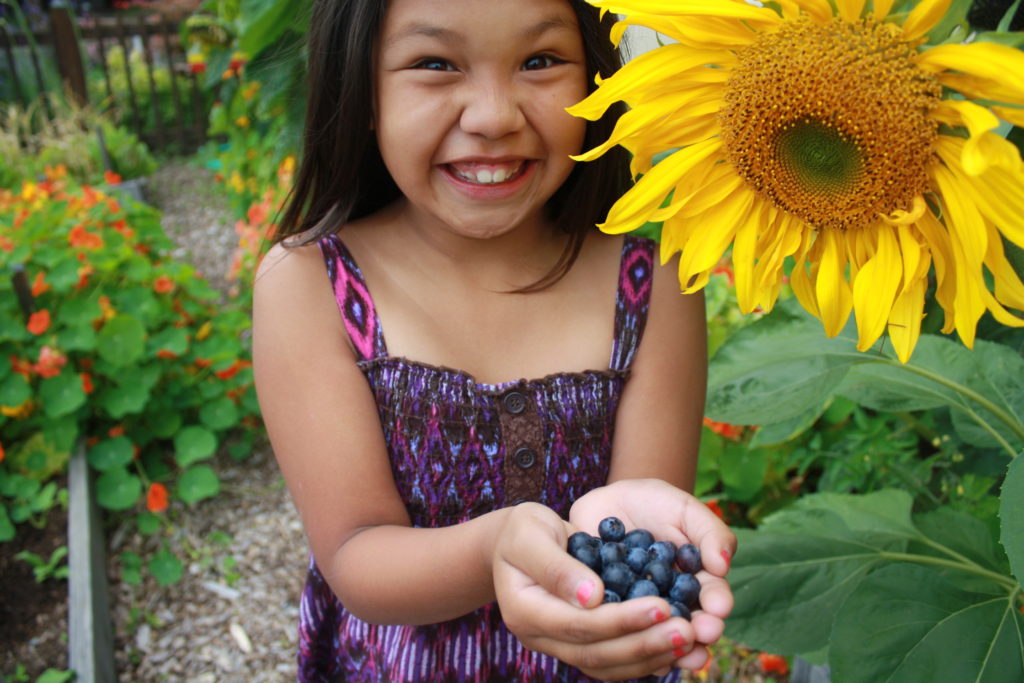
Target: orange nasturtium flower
(2, 454)
(111, 178)
(156, 498)
(80, 237)
(38, 322)
(50, 362)
(773, 663)
(163, 284)
(39, 284)
(87, 386)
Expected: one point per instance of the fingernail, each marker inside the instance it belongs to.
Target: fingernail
(583, 593)
(678, 652)
(677, 640)
(725, 556)
(657, 616)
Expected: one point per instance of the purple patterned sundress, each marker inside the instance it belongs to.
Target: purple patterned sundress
(458, 449)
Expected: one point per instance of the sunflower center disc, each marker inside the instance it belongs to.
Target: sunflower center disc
(831, 122)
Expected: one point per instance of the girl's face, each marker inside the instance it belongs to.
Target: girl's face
(470, 108)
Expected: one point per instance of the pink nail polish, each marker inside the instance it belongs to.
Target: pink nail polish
(678, 641)
(657, 616)
(678, 652)
(725, 556)
(583, 593)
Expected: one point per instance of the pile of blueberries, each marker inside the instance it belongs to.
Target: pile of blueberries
(634, 565)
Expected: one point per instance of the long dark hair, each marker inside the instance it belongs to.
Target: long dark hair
(341, 176)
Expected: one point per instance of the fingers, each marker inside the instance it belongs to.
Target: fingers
(715, 595)
(629, 656)
(716, 541)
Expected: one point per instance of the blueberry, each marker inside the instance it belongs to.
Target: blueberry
(660, 574)
(685, 589)
(639, 538)
(617, 577)
(636, 559)
(590, 556)
(611, 529)
(641, 589)
(581, 538)
(688, 558)
(611, 596)
(612, 552)
(678, 609)
(664, 551)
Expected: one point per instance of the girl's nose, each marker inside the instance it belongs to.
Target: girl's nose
(492, 110)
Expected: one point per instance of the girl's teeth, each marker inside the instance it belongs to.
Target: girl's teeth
(486, 176)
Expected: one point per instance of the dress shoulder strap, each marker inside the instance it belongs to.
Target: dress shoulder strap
(633, 299)
(354, 301)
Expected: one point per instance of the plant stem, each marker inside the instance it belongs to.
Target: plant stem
(968, 567)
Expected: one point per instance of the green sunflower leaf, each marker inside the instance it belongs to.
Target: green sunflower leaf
(1011, 515)
(911, 623)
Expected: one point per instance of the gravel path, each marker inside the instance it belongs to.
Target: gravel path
(232, 617)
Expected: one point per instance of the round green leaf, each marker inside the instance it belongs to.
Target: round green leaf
(111, 453)
(164, 425)
(219, 414)
(192, 444)
(64, 275)
(131, 568)
(122, 340)
(6, 527)
(197, 483)
(173, 339)
(14, 391)
(147, 523)
(117, 489)
(61, 395)
(80, 312)
(1011, 515)
(165, 568)
(77, 338)
(123, 400)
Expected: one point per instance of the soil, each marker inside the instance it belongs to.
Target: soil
(33, 615)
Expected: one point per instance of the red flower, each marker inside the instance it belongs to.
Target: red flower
(231, 371)
(50, 362)
(39, 284)
(116, 431)
(111, 178)
(80, 237)
(156, 499)
(21, 367)
(39, 322)
(165, 353)
(773, 663)
(2, 454)
(197, 67)
(725, 429)
(87, 385)
(163, 284)
(716, 508)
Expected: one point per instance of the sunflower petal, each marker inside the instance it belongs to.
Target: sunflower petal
(743, 252)
(1008, 286)
(705, 248)
(997, 63)
(876, 285)
(905, 320)
(759, 16)
(799, 280)
(880, 9)
(983, 148)
(1014, 115)
(635, 207)
(850, 10)
(831, 289)
(941, 249)
(924, 17)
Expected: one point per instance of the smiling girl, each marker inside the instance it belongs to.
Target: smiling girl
(457, 370)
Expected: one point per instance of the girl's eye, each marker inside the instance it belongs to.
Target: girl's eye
(537, 62)
(433, 64)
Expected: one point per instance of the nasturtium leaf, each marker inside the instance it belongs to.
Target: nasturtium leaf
(907, 622)
(165, 568)
(7, 531)
(14, 391)
(139, 303)
(12, 327)
(1011, 516)
(122, 340)
(163, 424)
(777, 368)
(173, 339)
(198, 483)
(125, 399)
(219, 414)
(117, 489)
(64, 275)
(131, 568)
(147, 523)
(742, 470)
(81, 311)
(78, 337)
(192, 444)
(111, 453)
(61, 395)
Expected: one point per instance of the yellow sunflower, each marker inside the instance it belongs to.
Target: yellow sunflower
(831, 134)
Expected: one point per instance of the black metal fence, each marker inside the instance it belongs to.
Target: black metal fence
(132, 66)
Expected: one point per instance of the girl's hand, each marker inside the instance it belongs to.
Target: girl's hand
(551, 602)
(671, 514)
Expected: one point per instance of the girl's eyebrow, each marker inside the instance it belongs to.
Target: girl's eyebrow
(445, 35)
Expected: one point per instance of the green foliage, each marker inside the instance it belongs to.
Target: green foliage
(30, 143)
(126, 350)
(150, 96)
(42, 569)
(870, 486)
